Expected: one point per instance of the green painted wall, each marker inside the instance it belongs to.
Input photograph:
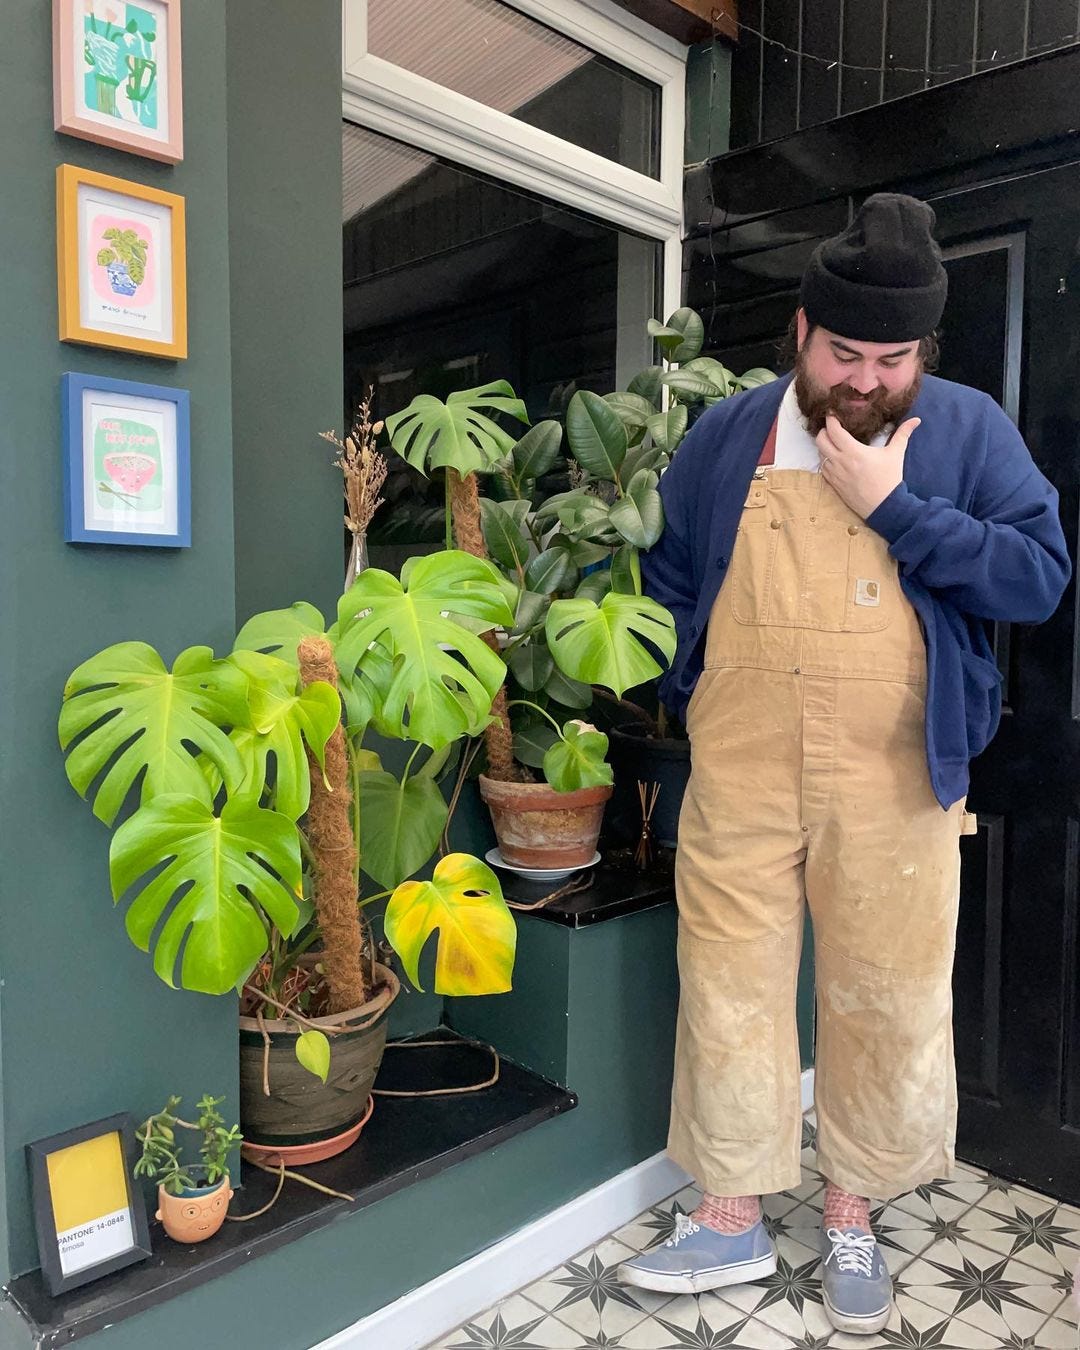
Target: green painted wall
(87, 1028)
(708, 101)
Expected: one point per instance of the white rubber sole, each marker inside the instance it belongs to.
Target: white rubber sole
(721, 1278)
(857, 1326)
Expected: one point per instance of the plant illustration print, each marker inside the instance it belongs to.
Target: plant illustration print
(118, 48)
(124, 260)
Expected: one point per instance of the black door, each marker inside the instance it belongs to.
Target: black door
(1011, 328)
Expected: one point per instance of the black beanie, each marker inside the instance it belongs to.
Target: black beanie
(881, 280)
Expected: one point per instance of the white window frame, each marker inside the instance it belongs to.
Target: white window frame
(386, 98)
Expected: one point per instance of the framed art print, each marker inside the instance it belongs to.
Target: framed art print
(127, 476)
(116, 74)
(89, 1218)
(121, 268)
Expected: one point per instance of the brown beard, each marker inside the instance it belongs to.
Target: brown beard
(864, 422)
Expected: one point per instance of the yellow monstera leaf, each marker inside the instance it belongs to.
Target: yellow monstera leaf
(477, 933)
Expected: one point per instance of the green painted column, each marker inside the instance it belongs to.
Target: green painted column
(284, 201)
(86, 1028)
(708, 101)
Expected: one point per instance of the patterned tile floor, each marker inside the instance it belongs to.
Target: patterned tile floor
(978, 1264)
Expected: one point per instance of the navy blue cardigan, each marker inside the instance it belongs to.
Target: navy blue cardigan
(974, 527)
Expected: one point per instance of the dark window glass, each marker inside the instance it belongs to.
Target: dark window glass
(452, 280)
(973, 326)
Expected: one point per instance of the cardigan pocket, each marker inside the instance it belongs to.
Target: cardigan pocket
(982, 700)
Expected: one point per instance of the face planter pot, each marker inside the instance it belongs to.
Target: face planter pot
(196, 1213)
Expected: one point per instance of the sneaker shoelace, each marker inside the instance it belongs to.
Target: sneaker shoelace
(853, 1252)
(684, 1226)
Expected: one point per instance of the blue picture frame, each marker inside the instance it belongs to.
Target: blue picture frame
(103, 505)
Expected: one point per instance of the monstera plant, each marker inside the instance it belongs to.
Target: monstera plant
(246, 809)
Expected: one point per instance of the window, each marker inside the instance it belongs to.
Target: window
(493, 53)
(592, 118)
(453, 279)
(513, 217)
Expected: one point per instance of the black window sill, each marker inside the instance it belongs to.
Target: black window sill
(406, 1140)
(611, 893)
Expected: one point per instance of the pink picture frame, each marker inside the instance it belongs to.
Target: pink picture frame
(117, 75)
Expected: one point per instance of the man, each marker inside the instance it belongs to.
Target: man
(836, 545)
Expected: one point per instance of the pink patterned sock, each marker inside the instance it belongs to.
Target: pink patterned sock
(844, 1210)
(729, 1214)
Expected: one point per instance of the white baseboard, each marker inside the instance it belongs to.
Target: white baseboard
(436, 1308)
(442, 1304)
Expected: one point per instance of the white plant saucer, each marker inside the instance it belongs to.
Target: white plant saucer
(496, 859)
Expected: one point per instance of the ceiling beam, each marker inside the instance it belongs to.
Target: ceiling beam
(688, 20)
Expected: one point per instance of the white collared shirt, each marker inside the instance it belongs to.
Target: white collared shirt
(795, 447)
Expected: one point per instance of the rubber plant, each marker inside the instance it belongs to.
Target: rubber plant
(244, 805)
(613, 450)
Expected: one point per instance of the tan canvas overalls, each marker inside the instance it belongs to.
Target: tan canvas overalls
(810, 784)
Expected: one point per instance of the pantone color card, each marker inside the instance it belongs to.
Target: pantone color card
(90, 1202)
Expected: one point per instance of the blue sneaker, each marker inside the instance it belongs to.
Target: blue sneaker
(696, 1258)
(856, 1280)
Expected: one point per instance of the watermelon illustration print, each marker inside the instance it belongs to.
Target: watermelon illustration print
(127, 465)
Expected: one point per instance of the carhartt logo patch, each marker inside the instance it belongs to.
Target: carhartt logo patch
(867, 592)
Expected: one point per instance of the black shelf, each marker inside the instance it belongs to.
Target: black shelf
(612, 893)
(406, 1140)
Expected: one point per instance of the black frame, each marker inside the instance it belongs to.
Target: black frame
(44, 1224)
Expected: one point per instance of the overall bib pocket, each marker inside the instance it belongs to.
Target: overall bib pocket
(754, 559)
(781, 544)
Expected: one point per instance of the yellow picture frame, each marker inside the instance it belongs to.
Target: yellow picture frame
(121, 264)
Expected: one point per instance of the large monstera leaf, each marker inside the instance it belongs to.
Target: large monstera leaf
(140, 718)
(444, 677)
(400, 824)
(219, 877)
(280, 631)
(458, 434)
(577, 759)
(283, 720)
(602, 643)
(477, 933)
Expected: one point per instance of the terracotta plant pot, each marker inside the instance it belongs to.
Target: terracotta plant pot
(539, 827)
(196, 1213)
(300, 1109)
